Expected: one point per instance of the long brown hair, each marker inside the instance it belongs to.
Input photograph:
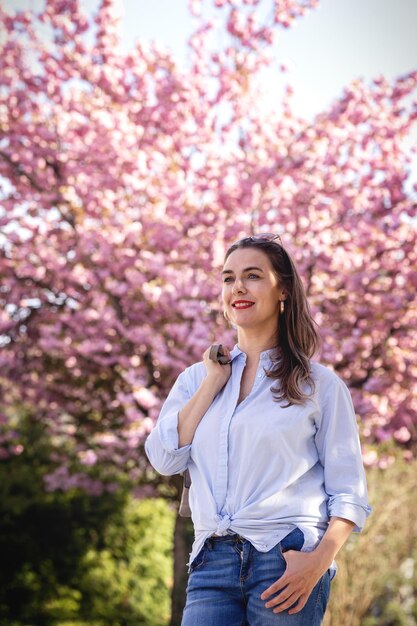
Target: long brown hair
(297, 337)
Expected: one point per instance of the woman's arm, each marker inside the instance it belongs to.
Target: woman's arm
(334, 538)
(168, 446)
(304, 569)
(192, 413)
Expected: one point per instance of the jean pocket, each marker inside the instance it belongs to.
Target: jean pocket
(293, 541)
(199, 560)
(323, 592)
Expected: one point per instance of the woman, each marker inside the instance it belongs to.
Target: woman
(271, 443)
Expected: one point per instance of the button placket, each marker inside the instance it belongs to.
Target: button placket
(220, 491)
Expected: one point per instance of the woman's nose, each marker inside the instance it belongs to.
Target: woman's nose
(238, 286)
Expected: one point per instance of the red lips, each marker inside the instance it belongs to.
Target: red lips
(243, 304)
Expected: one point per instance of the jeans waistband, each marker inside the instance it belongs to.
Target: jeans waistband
(228, 537)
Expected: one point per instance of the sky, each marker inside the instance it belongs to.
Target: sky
(328, 48)
(325, 50)
(331, 46)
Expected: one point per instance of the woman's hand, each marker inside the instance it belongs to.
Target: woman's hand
(217, 373)
(304, 570)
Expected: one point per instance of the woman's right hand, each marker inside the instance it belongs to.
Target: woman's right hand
(217, 373)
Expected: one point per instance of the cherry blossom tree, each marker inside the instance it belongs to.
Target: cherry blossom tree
(124, 177)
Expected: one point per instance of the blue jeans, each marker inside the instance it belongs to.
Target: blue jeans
(228, 576)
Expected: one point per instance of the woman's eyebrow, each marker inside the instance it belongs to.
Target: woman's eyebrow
(259, 269)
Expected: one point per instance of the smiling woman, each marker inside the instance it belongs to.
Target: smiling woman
(271, 501)
(271, 277)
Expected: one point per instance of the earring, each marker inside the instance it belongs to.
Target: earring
(225, 316)
(282, 307)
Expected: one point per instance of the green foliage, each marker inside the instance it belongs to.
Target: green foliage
(126, 582)
(69, 558)
(42, 536)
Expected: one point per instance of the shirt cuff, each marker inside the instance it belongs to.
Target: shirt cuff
(168, 435)
(348, 507)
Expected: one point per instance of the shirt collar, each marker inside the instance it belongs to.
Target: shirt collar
(265, 355)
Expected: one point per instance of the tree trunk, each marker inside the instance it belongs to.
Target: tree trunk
(183, 539)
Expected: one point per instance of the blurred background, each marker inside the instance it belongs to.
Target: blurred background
(137, 141)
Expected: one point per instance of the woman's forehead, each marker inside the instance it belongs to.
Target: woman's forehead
(247, 257)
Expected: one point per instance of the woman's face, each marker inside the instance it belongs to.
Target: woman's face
(251, 290)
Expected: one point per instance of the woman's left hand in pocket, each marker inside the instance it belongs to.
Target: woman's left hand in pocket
(304, 570)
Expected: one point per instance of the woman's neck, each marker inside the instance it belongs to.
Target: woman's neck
(253, 346)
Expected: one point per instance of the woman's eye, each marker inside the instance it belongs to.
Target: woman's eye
(228, 279)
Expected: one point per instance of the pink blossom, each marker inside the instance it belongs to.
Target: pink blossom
(402, 434)
(370, 457)
(126, 177)
(88, 457)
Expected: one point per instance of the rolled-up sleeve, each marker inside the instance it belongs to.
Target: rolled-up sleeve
(338, 445)
(161, 446)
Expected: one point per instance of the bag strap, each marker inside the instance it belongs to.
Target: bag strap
(184, 509)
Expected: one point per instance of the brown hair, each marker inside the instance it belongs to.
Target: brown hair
(297, 339)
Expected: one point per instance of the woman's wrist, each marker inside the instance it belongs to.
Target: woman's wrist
(336, 535)
(324, 556)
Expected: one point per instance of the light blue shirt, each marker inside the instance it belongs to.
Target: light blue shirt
(259, 469)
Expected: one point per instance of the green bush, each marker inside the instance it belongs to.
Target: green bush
(67, 558)
(42, 536)
(127, 581)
